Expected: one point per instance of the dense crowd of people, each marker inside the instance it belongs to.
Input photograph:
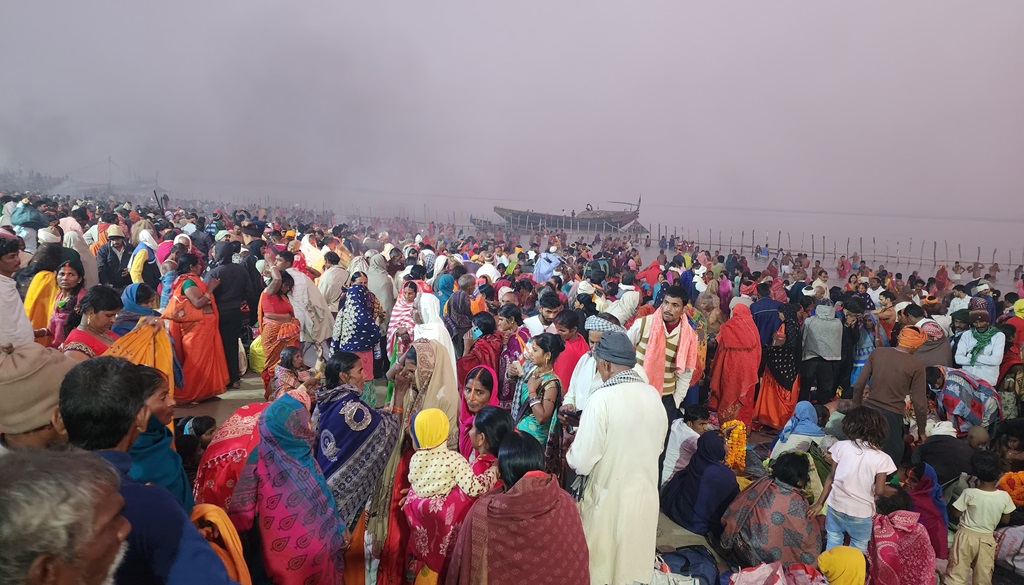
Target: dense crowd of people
(443, 407)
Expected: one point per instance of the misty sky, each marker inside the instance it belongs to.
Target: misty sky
(801, 116)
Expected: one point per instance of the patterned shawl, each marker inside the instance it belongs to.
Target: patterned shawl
(768, 522)
(401, 317)
(783, 360)
(458, 314)
(224, 459)
(354, 329)
(283, 493)
(900, 551)
(354, 443)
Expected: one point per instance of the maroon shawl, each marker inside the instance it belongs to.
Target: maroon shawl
(508, 537)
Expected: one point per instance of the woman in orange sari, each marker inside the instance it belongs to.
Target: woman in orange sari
(780, 387)
(193, 316)
(278, 326)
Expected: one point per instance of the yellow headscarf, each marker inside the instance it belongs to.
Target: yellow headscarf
(429, 428)
(1018, 308)
(843, 565)
(228, 546)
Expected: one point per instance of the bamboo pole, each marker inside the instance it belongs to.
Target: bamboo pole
(812, 246)
(778, 243)
(935, 254)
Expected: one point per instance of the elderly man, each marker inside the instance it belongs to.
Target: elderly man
(617, 447)
(310, 309)
(15, 328)
(60, 519)
(30, 377)
(894, 373)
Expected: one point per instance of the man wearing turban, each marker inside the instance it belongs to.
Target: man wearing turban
(621, 435)
(894, 373)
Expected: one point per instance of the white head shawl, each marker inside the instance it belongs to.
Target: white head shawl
(432, 327)
(146, 237)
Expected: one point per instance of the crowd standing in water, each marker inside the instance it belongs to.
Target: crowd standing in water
(443, 407)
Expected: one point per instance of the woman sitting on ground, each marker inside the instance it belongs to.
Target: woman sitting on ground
(900, 550)
(696, 497)
(292, 373)
(534, 513)
(768, 521)
(926, 495)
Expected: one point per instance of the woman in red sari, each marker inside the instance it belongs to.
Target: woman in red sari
(479, 391)
(225, 457)
(87, 329)
(734, 372)
(278, 326)
(194, 328)
(482, 347)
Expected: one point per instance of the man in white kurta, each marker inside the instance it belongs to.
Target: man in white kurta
(621, 435)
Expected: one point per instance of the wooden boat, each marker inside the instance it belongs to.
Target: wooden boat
(587, 220)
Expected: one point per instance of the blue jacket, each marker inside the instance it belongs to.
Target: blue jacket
(766, 317)
(164, 548)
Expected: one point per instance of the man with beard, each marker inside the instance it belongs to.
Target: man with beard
(60, 518)
(103, 408)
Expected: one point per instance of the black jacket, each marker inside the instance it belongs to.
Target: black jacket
(111, 268)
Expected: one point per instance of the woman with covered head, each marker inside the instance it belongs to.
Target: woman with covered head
(355, 439)
(534, 516)
(356, 331)
(143, 265)
(734, 373)
(442, 487)
(480, 390)
(482, 346)
(780, 387)
(696, 497)
(424, 378)
(282, 494)
(767, 522)
(517, 338)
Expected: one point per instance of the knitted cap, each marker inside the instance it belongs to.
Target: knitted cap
(30, 378)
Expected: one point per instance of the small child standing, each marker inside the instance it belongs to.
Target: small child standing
(857, 476)
(980, 509)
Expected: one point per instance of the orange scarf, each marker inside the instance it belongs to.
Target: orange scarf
(686, 352)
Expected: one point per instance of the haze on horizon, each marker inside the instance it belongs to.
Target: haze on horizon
(892, 120)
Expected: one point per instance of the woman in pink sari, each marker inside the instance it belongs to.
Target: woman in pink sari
(724, 295)
(900, 550)
(282, 494)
